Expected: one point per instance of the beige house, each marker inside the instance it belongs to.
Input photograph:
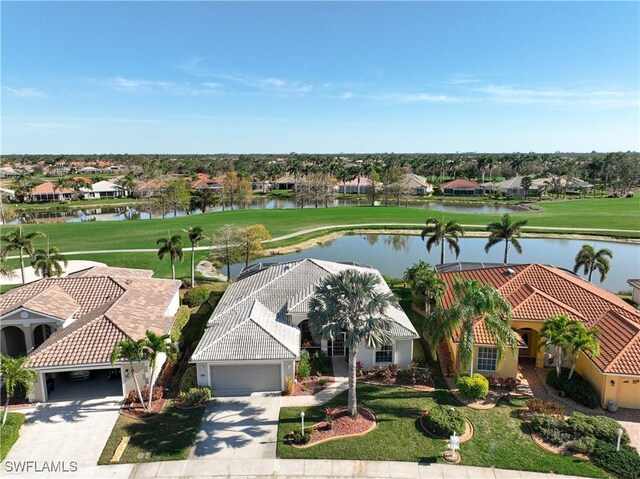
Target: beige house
(69, 326)
(537, 292)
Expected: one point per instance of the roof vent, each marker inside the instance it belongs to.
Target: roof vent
(286, 267)
(511, 271)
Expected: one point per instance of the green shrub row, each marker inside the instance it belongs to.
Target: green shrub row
(189, 379)
(182, 318)
(625, 462)
(196, 296)
(194, 396)
(576, 388)
(304, 365)
(444, 420)
(474, 387)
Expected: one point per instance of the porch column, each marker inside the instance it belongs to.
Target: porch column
(28, 336)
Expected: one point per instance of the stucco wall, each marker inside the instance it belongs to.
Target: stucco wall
(173, 305)
(508, 369)
(404, 352)
(142, 372)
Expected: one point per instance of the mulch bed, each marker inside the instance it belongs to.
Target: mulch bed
(135, 411)
(343, 426)
(468, 432)
(311, 386)
(424, 387)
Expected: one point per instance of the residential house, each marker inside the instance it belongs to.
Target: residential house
(254, 336)
(360, 185)
(511, 187)
(203, 182)
(150, 188)
(537, 292)
(72, 324)
(635, 287)
(104, 189)
(47, 191)
(284, 183)
(8, 172)
(89, 170)
(417, 185)
(461, 187)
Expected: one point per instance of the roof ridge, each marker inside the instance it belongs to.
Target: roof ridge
(226, 333)
(259, 321)
(552, 299)
(518, 273)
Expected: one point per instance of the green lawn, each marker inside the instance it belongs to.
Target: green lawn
(500, 439)
(10, 432)
(619, 213)
(167, 437)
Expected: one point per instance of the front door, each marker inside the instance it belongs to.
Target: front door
(336, 347)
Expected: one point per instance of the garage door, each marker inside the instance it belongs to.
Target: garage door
(227, 380)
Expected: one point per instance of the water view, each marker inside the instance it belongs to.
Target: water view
(124, 213)
(392, 254)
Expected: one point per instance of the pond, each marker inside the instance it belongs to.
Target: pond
(392, 254)
(123, 213)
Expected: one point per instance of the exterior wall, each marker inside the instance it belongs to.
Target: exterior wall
(590, 372)
(172, 309)
(142, 373)
(287, 368)
(402, 355)
(624, 390)
(27, 325)
(635, 297)
(508, 369)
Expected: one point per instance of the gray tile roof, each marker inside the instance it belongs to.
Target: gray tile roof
(265, 298)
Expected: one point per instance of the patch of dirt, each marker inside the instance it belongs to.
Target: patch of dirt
(343, 425)
(135, 411)
(425, 386)
(311, 386)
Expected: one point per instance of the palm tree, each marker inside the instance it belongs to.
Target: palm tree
(153, 346)
(474, 302)
(48, 263)
(15, 374)
(505, 230)
(425, 284)
(351, 302)
(16, 240)
(172, 247)
(196, 234)
(556, 333)
(583, 340)
(130, 351)
(526, 185)
(5, 269)
(590, 260)
(440, 232)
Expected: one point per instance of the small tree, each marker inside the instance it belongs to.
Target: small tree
(48, 263)
(196, 234)
(250, 241)
(425, 285)
(15, 375)
(16, 240)
(526, 185)
(440, 233)
(556, 333)
(153, 346)
(178, 196)
(507, 231)
(130, 351)
(591, 260)
(583, 340)
(172, 247)
(225, 247)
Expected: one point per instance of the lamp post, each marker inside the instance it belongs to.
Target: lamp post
(620, 431)
(302, 417)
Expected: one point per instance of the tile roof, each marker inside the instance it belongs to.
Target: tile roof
(278, 289)
(536, 292)
(48, 188)
(99, 306)
(634, 283)
(460, 183)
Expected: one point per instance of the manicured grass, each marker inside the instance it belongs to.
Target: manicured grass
(500, 439)
(616, 213)
(168, 437)
(10, 432)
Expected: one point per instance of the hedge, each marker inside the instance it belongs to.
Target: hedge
(189, 379)
(476, 386)
(625, 463)
(182, 318)
(196, 296)
(576, 388)
(444, 420)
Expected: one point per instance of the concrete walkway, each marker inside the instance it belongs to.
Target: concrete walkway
(340, 384)
(288, 469)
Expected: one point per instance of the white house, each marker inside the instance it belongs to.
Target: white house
(254, 336)
(104, 189)
(635, 294)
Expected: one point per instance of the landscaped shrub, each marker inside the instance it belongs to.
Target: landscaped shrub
(194, 396)
(444, 420)
(584, 445)
(182, 318)
(322, 382)
(597, 427)
(288, 385)
(413, 375)
(625, 463)
(301, 437)
(419, 355)
(133, 397)
(189, 379)
(196, 296)
(321, 363)
(552, 429)
(576, 388)
(304, 365)
(476, 386)
(551, 408)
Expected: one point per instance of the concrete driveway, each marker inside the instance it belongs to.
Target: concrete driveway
(239, 428)
(68, 431)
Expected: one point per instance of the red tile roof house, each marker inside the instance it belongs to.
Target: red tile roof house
(203, 182)
(461, 188)
(537, 292)
(150, 188)
(47, 191)
(72, 324)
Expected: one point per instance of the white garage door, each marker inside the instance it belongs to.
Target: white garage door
(230, 379)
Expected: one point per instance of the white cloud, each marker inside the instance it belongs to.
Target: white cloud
(24, 92)
(558, 96)
(463, 79)
(132, 85)
(346, 95)
(402, 97)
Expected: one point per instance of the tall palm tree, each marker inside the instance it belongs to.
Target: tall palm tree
(583, 340)
(49, 262)
(474, 302)
(153, 346)
(173, 247)
(425, 284)
(196, 234)
(5, 270)
(440, 233)
(351, 302)
(15, 375)
(16, 240)
(590, 260)
(556, 333)
(507, 231)
(130, 351)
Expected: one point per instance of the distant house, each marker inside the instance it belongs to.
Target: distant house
(104, 189)
(47, 191)
(359, 185)
(511, 187)
(203, 182)
(462, 188)
(8, 172)
(89, 169)
(635, 285)
(284, 183)
(150, 188)
(417, 185)
(566, 184)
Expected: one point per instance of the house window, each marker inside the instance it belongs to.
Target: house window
(487, 359)
(385, 354)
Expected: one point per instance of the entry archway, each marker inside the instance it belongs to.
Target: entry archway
(13, 342)
(41, 333)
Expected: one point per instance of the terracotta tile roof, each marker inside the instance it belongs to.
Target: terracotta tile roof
(151, 185)
(48, 188)
(113, 272)
(53, 302)
(460, 183)
(536, 292)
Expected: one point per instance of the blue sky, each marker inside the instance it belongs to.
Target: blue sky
(171, 77)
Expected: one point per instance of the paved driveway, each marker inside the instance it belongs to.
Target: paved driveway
(239, 428)
(67, 431)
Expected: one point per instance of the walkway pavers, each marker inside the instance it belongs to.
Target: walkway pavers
(340, 384)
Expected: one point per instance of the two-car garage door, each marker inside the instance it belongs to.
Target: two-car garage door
(245, 379)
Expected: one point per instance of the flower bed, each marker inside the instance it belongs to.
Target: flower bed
(465, 436)
(342, 426)
(311, 386)
(419, 379)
